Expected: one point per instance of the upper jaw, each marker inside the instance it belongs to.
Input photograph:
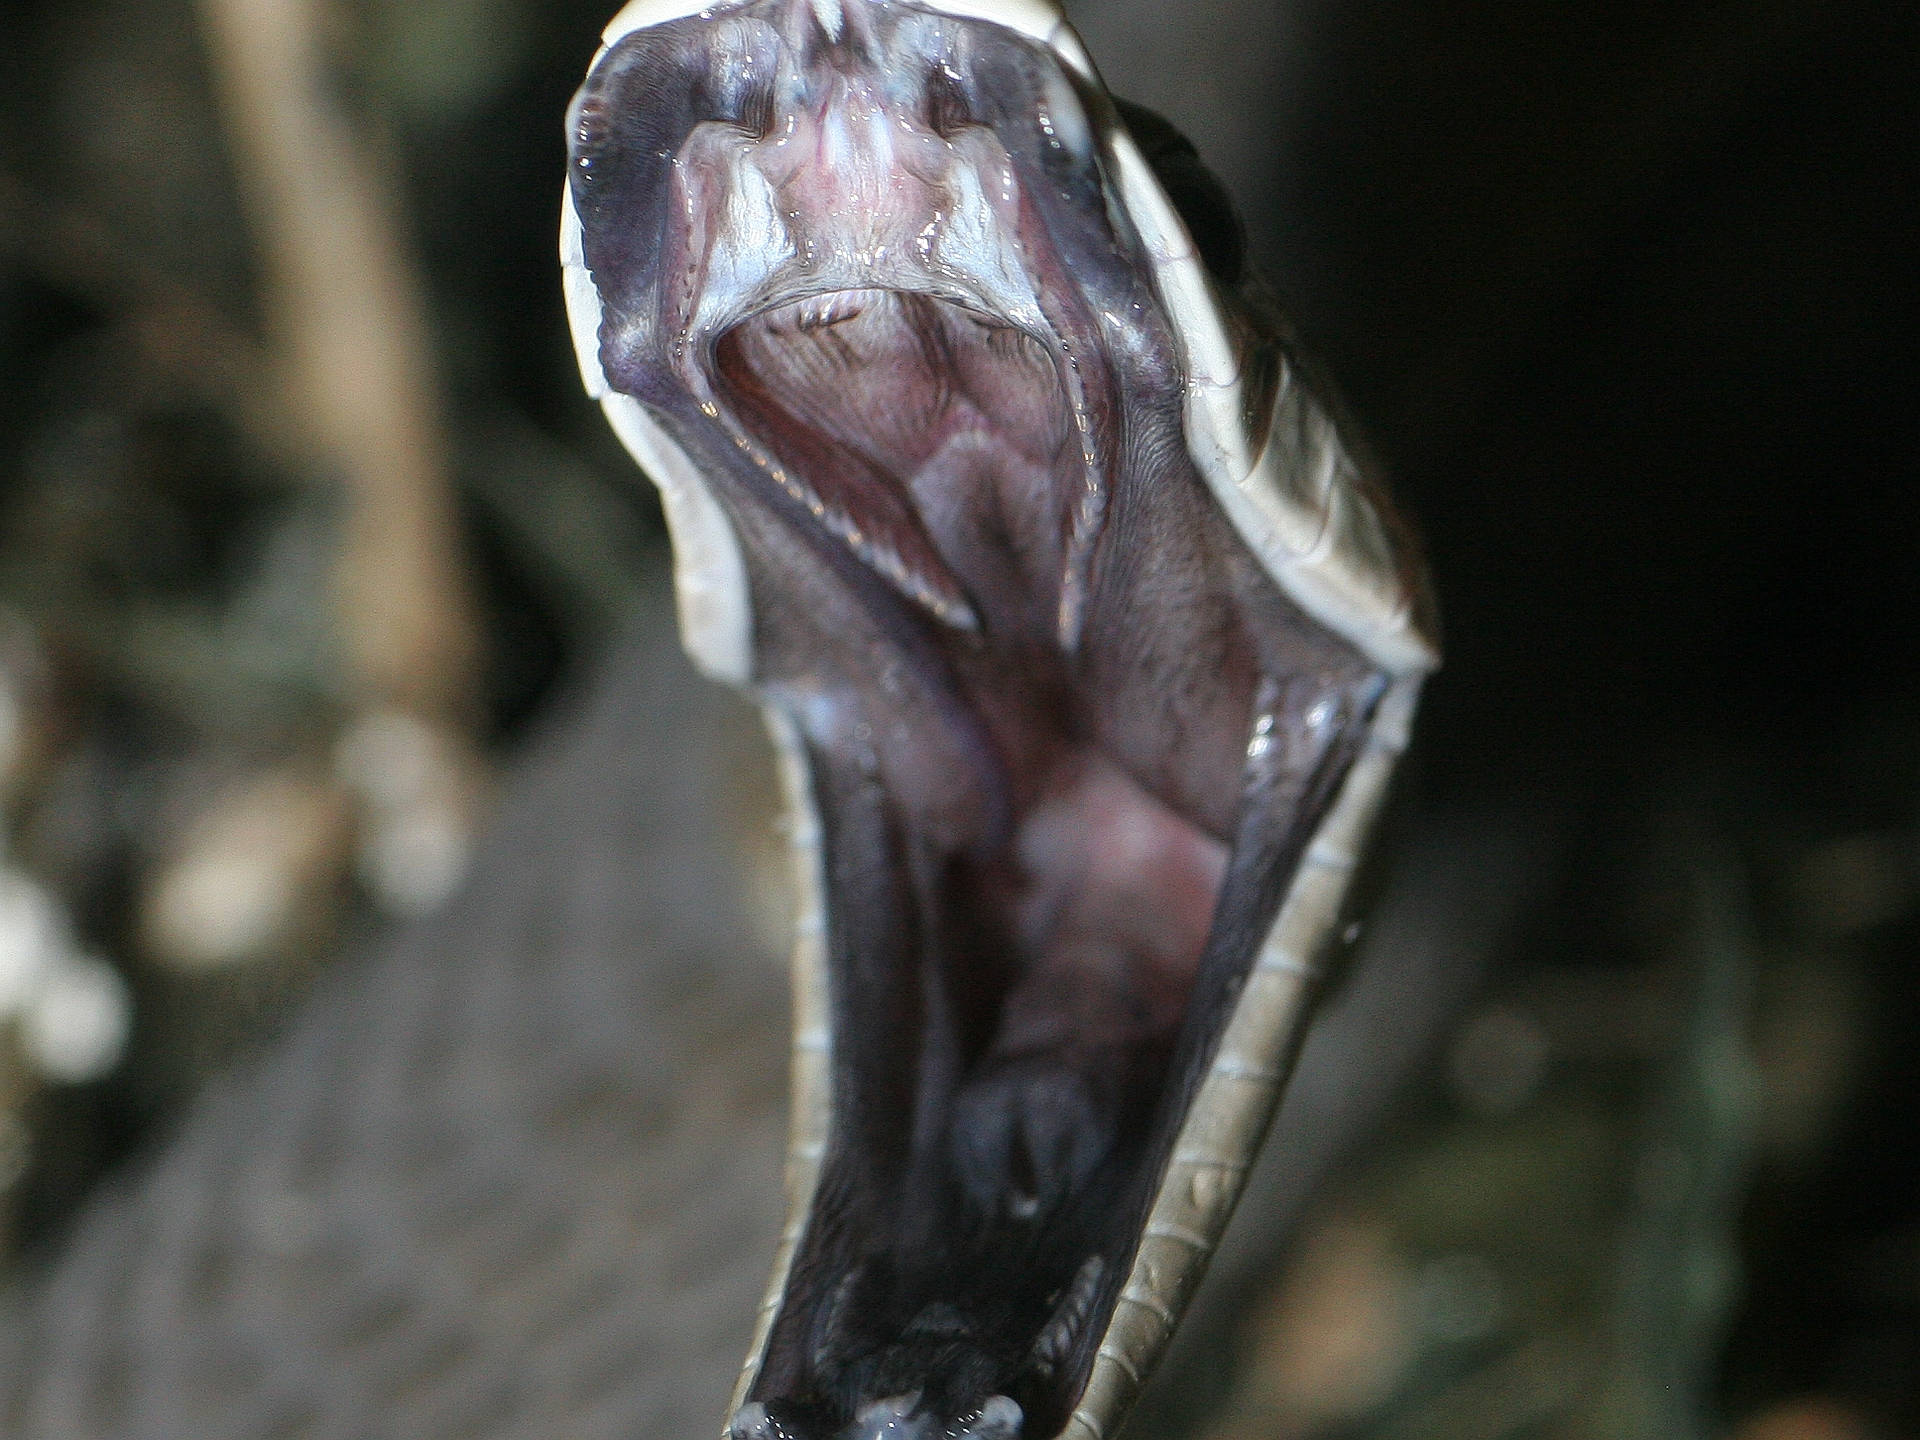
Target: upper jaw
(912, 213)
(850, 194)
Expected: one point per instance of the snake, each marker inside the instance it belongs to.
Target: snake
(1086, 635)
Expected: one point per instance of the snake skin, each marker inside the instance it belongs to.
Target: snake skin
(444, 1204)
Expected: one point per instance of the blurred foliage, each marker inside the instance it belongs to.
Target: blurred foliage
(193, 783)
(1586, 1225)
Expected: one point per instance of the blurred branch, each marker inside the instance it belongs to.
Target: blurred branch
(347, 308)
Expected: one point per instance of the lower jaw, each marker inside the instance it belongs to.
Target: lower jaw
(1000, 1142)
(1025, 1165)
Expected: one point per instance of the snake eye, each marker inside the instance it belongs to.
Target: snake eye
(948, 112)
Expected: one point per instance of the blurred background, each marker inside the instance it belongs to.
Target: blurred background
(311, 550)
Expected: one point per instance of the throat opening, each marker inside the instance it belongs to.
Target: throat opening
(1026, 847)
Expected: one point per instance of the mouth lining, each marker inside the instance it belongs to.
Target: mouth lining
(1006, 1070)
(798, 342)
(788, 356)
(987, 657)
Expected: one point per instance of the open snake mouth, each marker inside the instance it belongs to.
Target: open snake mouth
(1066, 738)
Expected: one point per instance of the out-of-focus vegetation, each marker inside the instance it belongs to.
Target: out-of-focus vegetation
(298, 519)
(1626, 306)
(1643, 1191)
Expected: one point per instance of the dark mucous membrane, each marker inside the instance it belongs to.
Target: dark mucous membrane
(1016, 1072)
(1067, 738)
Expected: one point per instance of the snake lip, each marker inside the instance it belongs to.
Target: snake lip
(993, 498)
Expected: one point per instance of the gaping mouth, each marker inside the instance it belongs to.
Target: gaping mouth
(1067, 738)
(1027, 842)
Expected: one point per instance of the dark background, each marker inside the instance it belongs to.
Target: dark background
(1624, 298)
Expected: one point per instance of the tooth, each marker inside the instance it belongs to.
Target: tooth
(998, 1419)
(753, 1423)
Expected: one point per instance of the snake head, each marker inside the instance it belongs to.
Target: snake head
(1088, 644)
